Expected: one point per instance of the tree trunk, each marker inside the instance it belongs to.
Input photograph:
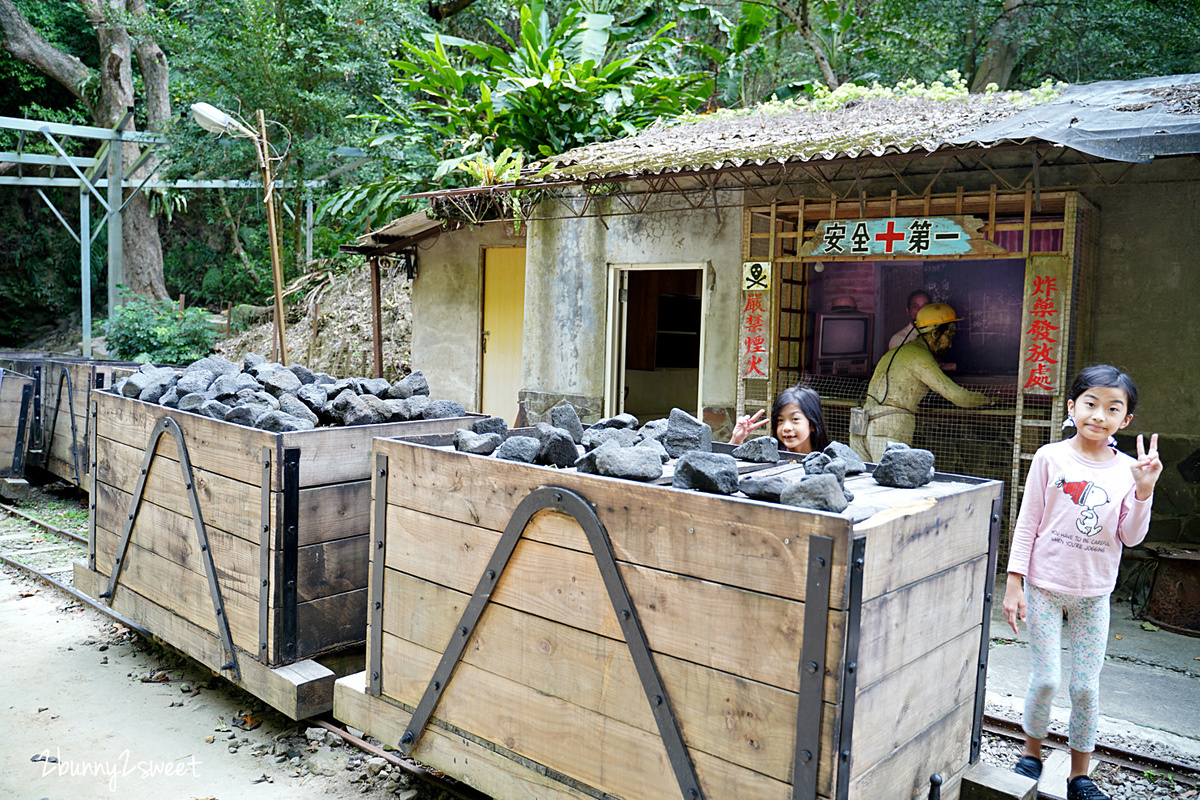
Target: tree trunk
(799, 18)
(440, 11)
(1001, 54)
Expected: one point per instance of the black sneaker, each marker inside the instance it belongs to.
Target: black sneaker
(1082, 788)
(1030, 767)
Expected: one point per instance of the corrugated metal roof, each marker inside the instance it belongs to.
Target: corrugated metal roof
(1122, 120)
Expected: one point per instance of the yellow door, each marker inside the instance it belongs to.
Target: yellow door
(503, 329)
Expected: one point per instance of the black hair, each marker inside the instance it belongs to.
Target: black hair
(809, 403)
(1109, 377)
(915, 293)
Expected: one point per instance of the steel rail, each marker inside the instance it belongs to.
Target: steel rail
(45, 525)
(1119, 756)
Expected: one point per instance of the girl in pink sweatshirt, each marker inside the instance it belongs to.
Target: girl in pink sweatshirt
(1083, 501)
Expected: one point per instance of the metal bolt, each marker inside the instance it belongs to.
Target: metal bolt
(374, 676)
(845, 755)
(203, 548)
(657, 700)
(143, 470)
(693, 793)
(291, 529)
(821, 561)
(558, 497)
(624, 614)
(407, 737)
(218, 612)
(378, 605)
(266, 464)
(291, 584)
(463, 631)
(264, 583)
(379, 545)
(187, 486)
(806, 755)
(437, 687)
(382, 472)
(130, 516)
(266, 528)
(858, 563)
(812, 667)
(262, 646)
(853, 665)
(491, 575)
(290, 646)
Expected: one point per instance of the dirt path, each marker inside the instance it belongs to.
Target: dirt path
(81, 722)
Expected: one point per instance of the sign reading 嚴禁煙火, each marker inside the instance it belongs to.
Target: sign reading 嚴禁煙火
(900, 236)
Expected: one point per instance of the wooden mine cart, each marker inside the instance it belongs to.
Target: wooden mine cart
(540, 633)
(31, 364)
(67, 388)
(245, 549)
(17, 397)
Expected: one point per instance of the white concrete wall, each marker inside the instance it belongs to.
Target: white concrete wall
(447, 309)
(566, 284)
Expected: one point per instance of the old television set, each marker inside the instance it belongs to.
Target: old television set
(843, 343)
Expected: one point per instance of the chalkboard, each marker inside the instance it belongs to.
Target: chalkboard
(988, 297)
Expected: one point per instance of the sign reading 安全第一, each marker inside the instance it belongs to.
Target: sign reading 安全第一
(900, 236)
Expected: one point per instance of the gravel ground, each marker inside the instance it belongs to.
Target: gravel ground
(1119, 783)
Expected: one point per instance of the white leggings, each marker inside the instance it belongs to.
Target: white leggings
(1087, 628)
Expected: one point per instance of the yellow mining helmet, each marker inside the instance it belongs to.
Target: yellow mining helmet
(933, 314)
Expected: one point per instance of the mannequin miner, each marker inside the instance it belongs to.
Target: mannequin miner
(903, 377)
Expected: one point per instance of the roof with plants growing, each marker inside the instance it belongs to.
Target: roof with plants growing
(1121, 120)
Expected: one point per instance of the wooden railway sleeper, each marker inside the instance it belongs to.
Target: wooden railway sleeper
(169, 425)
(570, 503)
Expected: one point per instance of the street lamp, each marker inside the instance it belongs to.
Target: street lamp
(214, 120)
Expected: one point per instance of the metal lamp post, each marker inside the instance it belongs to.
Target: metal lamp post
(214, 120)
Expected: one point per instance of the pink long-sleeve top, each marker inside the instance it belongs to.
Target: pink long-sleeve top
(1075, 516)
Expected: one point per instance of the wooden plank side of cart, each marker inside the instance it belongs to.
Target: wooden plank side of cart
(719, 586)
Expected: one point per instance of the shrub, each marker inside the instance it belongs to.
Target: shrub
(157, 331)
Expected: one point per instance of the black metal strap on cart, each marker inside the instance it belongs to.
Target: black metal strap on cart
(63, 375)
(567, 502)
(168, 425)
(985, 634)
(807, 759)
(24, 420)
(843, 738)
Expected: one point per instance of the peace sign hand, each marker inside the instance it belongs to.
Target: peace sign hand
(746, 424)
(1148, 467)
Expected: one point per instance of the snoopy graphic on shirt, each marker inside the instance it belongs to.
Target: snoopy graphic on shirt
(1088, 496)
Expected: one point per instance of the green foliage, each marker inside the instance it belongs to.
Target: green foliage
(211, 277)
(550, 87)
(145, 330)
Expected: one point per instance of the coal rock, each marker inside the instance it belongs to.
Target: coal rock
(619, 421)
(558, 447)
(191, 402)
(351, 410)
(244, 380)
(762, 450)
(594, 437)
(854, 464)
(657, 447)
(495, 425)
(245, 415)
(417, 405)
(767, 487)
(380, 412)
(313, 395)
(412, 384)
(709, 472)
(303, 373)
(279, 422)
(685, 433)
(170, 399)
(195, 380)
(815, 463)
(219, 365)
(566, 417)
(156, 389)
(280, 381)
(376, 386)
(519, 448)
(223, 388)
(291, 404)
(481, 444)
(443, 409)
(252, 360)
(323, 379)
(820, 492)
(586, 463)
(213, 408)
(655, 429)
(904, 467)
(630, 463)
(265, 369)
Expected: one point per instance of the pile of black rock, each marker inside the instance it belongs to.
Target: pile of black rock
(267, 395)
(618, 447)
